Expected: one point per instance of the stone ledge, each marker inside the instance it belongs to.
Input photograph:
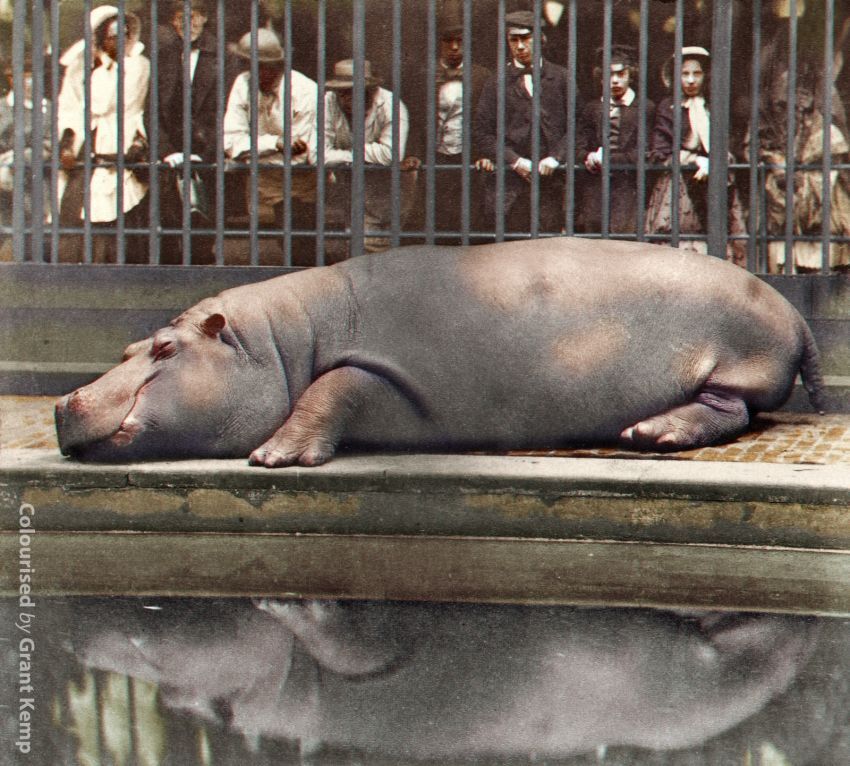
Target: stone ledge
(459, 527)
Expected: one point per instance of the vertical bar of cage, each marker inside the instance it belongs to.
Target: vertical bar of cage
(186, 169)
(431, 122)
(287, 133)
(721, 81)
(395, 168)
(570, 169)
(501, 52)
(466, 136)
(791, 128)
(675, 163)
(605, 188)
(37, 128)
(253, 122)
(321, 188)
(54, 131)
(755, 141)
(120, 98)
(18, 189)
(358, 129)
(134, 745)
(87, 142)
(154, 222)
(643, 58)
(536, 79)
(99, 693)
(220, 106)
(826, 196)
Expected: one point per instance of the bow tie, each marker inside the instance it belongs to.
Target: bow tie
(452, 74)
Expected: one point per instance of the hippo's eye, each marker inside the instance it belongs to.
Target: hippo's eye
(163, 350)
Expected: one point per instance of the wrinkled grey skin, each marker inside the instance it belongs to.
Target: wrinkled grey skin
(451, 681)
(517, 345)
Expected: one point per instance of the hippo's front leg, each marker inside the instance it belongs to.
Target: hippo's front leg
(317, 423)
(353, 639)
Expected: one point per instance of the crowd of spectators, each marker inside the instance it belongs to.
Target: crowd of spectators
(113, 154)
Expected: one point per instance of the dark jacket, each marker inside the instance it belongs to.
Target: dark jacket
(622, 205)
(589, 134)
(554, 99)
(661, 142)
(204, 95)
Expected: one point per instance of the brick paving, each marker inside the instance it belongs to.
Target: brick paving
(26, 422)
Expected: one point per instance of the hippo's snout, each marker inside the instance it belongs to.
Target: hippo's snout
(82, 419)
(63, 417)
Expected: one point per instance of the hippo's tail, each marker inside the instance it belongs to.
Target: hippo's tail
(810, 371)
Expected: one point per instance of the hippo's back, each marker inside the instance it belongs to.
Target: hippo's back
(563, 339)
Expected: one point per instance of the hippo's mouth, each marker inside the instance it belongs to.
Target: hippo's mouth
(108, 448)
(111, 447)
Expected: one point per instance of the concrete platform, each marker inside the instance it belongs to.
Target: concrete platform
(761, 524)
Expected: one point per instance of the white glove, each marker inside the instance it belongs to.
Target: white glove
(523, 167)
(593, 161)
(175, 159)
(702, 168)
(547, 166)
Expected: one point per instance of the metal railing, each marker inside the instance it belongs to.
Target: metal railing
(403, 40)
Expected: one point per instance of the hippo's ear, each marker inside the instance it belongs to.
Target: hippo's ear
(213, 325)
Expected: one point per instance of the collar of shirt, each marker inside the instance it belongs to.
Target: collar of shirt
(103, 60)
(626, 100)
(447, 72)
(520, 69)
(697, 101)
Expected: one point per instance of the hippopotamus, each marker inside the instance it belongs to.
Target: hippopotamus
(449, 681)
(519, 345)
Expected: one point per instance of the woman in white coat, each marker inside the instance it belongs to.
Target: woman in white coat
(105, 140)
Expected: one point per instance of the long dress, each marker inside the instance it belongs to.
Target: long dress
(808, 150)
(693, 194)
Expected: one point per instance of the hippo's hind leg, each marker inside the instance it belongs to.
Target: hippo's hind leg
(318, 421)
(712, 417)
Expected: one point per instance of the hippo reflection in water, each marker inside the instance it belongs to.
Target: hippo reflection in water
(440, 681)
(525, 345)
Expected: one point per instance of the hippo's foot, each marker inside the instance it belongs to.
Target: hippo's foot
(318, 421)
(351, 639)
(711, 418)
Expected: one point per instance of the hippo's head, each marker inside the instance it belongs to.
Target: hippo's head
(192, 389)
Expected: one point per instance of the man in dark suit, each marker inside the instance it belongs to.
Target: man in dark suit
(204, 72)
(518, 91)
(624, 121)
(450, 127)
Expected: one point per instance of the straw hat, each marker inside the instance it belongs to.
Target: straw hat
(688, 52)
(269, 49)
(343, 76)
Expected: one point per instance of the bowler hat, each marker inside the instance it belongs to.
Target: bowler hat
(343, 76)
(269, 49)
